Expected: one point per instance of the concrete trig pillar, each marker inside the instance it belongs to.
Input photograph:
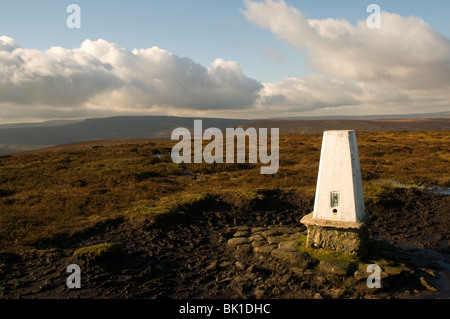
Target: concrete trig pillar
(338, 220)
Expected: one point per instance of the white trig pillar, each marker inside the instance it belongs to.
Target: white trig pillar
(338, 219)
(339, 192)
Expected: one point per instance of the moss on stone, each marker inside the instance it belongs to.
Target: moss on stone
(325, 254)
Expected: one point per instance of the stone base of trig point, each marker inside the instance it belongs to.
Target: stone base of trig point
(337, 222)
(341, 236)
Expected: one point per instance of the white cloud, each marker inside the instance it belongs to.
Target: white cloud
(404, 67)
(315, 92)
(7, 44)
(405, 52)
(404, 61)
(100, 75)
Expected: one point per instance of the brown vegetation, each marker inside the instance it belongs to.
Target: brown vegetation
(43, 194)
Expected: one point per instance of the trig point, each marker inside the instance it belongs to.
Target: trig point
(338, 220)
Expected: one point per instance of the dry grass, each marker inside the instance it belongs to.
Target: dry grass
(96, 252)
(46, 193)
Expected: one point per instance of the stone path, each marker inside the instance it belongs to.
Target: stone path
(280, 242)
(284, 244)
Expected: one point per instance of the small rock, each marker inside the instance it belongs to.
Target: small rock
(251, 275)
(361, 273)
(288, 245)
(259, 243)
(241, 233)
(259, 293)
(392, 271)
(225, 264)
(256, 230)
(256, 237)
(429, 271)
(285, 279)
(294, 258)
(427, 285)
(238, 228)
(297, 271)
(244, 249)
(238, 241)
(296, 235)
(336, 293)
(239, 265)
(321, 280)
(318, 296)
(264, 249)
(251, 268)
(270, 233)
(285, 229)
(335, 267)
(274, 240)
(212, 265)
(241, 279)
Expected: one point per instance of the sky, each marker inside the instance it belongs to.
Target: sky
(217, 58)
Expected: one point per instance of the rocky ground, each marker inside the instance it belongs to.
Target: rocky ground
(232, 248)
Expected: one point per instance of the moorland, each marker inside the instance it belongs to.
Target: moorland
(162, 224)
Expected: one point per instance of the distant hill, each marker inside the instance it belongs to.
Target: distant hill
(366, 117)
(31, 136)
(39, 124)
(318, 126)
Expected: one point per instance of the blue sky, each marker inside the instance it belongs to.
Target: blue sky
(205, 30)
(200, 29)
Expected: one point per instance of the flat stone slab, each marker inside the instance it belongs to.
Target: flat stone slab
(310, 220)
(238, 241)
(296, 235)
(256, 230)
(392, 271)
(274, 240)
(241, 233)
(387, 271)
(264, 239)
(335, 267)
(284, 229)
(271, 233)
(237, 228)
(267, 249)
(257, 237)
(259, 243)
(288, 245)
(341, 236)
(294, 258)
